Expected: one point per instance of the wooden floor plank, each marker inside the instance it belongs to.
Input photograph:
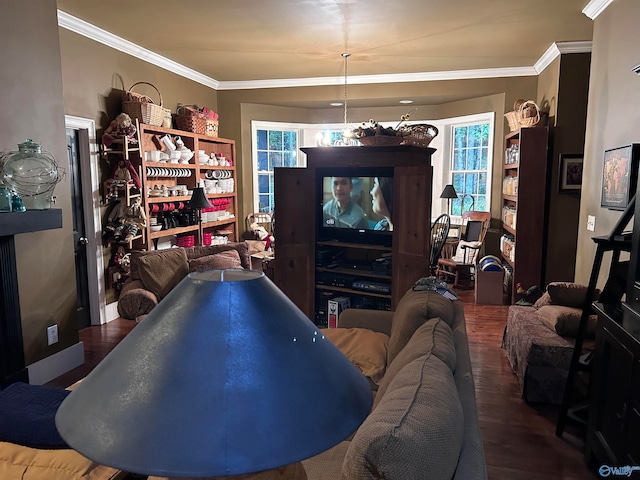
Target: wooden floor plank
(519, 438)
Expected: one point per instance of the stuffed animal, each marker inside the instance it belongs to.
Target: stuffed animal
(261, 233)
(119, 128)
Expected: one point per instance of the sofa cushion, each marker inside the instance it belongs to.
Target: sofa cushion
(416, 431)
(568, 294)
(135, 300)
(365, 348)
(434, 337)
(294, 471)
(241, 247)
(19, 462)
(415, 308)
(228, 259)
(565, 320)
(162, 270)
(545, 299)
(28, 415)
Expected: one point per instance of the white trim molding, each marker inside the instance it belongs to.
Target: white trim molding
(595, 8)
(59, 363)
(558, 48)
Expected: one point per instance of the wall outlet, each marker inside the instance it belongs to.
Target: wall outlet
(591, 223)
(52, 334)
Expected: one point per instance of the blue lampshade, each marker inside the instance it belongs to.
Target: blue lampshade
(226, 376)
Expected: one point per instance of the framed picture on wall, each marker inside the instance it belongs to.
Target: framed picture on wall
(570, 175)
(619, 176)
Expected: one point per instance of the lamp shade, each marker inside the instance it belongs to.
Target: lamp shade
(199, 199)
(449, 192)
(225, 376)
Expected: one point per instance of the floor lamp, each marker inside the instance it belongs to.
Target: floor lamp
(198, 202)
(449, 192)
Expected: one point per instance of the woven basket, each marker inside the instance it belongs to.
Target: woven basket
(189, 119)
(380, 140)
(420, 134)
(142, 108)
(512, 120)
(528, 114)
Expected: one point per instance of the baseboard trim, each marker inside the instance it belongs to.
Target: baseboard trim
(53, 366)
(111, 311)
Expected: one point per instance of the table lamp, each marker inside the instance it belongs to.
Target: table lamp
(449, 192)
(199, 201)
(226, 376)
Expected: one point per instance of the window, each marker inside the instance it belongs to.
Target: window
(471, 166)
(275, 146)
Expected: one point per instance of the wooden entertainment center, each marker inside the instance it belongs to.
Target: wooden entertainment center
(299, 242)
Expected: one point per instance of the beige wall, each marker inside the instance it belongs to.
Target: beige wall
(613, 116)
(31, 106)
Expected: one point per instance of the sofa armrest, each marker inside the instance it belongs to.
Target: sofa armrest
(135, 300)
(376, 320)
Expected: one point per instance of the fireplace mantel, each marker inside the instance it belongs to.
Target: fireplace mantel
(12, 363)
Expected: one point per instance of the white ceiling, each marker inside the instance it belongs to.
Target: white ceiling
(240, 43)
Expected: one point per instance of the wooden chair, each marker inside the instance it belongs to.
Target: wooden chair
(459, 258)
(439, 234)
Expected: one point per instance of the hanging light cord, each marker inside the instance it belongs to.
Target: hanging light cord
(346, 56)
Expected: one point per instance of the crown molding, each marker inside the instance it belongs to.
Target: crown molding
(377, 79)
(559, 48)
(97, 34)
(595, 8)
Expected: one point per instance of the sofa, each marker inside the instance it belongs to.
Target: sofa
(155, 273)
(539, 341)
(423, 423)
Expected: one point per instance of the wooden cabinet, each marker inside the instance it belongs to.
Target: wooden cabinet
(524, 207)
(167, 186)
(299, 243)
(613, 435)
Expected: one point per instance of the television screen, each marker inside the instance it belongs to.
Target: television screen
(358, 204)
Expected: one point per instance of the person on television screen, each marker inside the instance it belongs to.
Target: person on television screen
(382, 202)
(341, 211)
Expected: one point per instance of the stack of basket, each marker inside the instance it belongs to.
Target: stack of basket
(142, 107)
(526, 113)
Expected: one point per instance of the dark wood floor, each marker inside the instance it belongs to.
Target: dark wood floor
(519, 439)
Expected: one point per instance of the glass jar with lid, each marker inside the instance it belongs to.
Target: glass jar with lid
(32, 174)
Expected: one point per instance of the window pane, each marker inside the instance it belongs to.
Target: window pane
(290, 159)
(289, 141)
(275, 160)
(460, 134)
(471, 183)
(473, 162)
(263, 164)
(456, 206)
(481, 203)
(262, 139)
(484, 153)
(482, 183)
(263, 183)
(458, 183)
(263, 203)
(475, 136)
(459, 159)
(485, 134)
(275, 140)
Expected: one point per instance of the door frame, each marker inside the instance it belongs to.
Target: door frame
(90, 181)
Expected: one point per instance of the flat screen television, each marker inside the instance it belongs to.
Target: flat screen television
(355, 205)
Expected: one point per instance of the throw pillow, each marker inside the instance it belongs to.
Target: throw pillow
(415, 308)
(228, 259)
(28, 415)
(162, 270)
(433, 338)
(365, 348)
(565, 320)
(415, 432)
(568, 294)
(466, 252)
(545, 299)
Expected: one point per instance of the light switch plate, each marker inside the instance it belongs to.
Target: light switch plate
(591, 223)
(52, 334)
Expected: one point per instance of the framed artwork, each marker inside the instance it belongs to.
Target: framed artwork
(619, 176)
(570, 175)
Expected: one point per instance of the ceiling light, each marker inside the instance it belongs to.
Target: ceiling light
(406, 101)
(336, 104)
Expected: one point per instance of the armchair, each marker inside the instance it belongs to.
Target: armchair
(459, 258)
